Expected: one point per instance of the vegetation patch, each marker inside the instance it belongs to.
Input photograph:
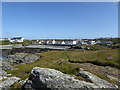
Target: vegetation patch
(63, 61)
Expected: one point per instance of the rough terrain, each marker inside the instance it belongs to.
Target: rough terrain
(53, 79)
(17, 59)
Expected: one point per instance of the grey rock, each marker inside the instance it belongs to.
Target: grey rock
(53, 79)
(8, 82)
(2, 77)
(0, 61)
(21, 58)
(2, 72)
(6, 65)
(22, 82)
(31, 58)
(96, 80)
(18, 58)
(114, 78)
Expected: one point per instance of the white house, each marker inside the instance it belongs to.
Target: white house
(63, 42)
(81, 42)
(71, 42)
(91, 42)
(2, 39)
(40, 41)
(16, 39)
(59, 42)
(98, 42)
(49, 42)
(75, 42)
(53, 42)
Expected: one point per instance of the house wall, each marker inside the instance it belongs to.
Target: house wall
(16, 40)
(53, 42)
(63, 42)
(69, 42)
(74, 42)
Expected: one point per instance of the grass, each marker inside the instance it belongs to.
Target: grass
(99, 57)
(16, 85)
(59, 60)
(52, 59)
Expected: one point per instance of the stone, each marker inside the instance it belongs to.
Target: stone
(53, 79)
(22, 58)
(6, 65)
(31, 58)
(96, 80)
(113, 78)
(2, 72)
(8, 82)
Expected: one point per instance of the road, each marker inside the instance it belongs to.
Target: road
(35, 46)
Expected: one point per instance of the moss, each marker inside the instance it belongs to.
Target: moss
(16, 86)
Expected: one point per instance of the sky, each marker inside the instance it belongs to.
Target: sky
(59, 20)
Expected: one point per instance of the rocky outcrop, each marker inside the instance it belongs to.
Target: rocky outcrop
(18, 58)
(6, 65)
(6, 52)
(8, 82)
(2, 74)
(114, 78)
(96, 80)
(53, 79)
(5, 80)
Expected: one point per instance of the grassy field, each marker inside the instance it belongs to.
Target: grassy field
(63, 61)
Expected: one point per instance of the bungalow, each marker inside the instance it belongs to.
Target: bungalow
(40, 42)
(98, 42)
(83, 42)
(49, 42)
(53, 42)
(3, 39)
(58, 42)
(63, 42)
(16, 39)
(91, 42)
(71, 42)
(80, 42)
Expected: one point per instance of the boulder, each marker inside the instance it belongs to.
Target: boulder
(96, 80)
(53, 79)
(8, 82)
